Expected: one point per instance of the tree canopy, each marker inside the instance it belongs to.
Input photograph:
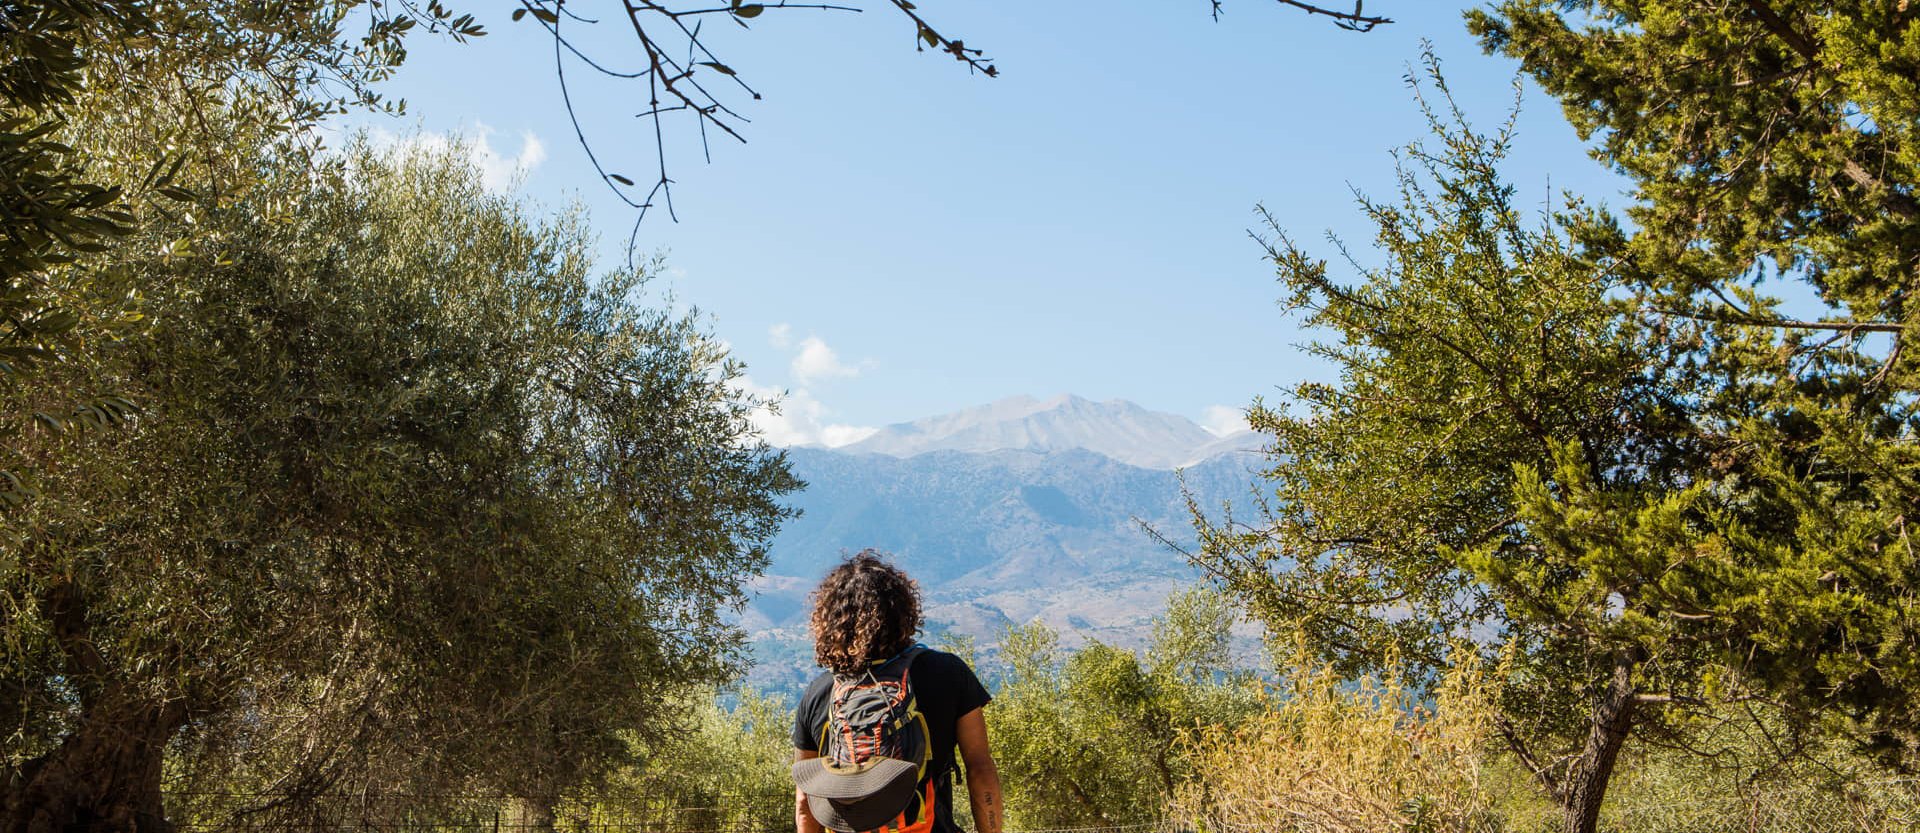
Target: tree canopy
(1480, 360)
(413, 496)
(73, 66)
(1772, 144)
(1591, 446)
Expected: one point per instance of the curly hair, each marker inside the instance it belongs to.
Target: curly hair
(864, 610)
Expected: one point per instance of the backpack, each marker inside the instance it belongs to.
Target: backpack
(874, 751)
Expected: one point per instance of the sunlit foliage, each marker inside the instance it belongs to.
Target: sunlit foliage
(1092, 736)
(415, 501)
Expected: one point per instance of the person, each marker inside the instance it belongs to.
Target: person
(865, 615)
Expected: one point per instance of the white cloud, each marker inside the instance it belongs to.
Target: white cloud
(498, 172)
(834, 436)
(1223, 420)
(801, 420)
(817, 361)
(813, 360)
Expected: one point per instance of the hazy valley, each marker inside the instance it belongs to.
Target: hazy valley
(1017, 511)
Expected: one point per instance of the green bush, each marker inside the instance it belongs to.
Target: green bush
(1094, 737)
(727, 770)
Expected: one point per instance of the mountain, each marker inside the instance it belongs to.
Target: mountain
(998, 536)
(1117, 429)
(985, 521)
(1244, 444)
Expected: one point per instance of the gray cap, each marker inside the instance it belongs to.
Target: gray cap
(856, 797)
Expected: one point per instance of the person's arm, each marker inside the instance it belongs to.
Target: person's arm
(803, 820)
(983, 780)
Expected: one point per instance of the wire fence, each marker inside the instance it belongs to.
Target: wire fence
(718, 812)
(772, 812)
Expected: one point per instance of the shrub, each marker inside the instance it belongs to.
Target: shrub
(726, 770)
(1329, 756)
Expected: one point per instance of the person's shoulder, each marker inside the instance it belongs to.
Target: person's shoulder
(818, 688)
(935, 654)
(953, 679)
(941, 662)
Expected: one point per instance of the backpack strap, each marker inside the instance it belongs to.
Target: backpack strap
(906, 657)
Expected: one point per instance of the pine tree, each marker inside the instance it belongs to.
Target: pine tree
(1773, 143)
(1534, 451)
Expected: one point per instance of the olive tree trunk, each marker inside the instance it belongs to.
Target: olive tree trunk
(534, 814)
(103, 778)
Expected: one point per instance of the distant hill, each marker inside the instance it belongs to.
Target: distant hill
(1001, 536)
(1117, 429)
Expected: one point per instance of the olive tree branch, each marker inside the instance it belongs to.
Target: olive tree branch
(680, 82)
(1355, 20)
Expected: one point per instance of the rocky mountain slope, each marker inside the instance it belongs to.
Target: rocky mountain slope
(1046, 530)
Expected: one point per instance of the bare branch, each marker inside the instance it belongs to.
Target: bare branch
(566, 98)
(1354, 20)
(680, 66)
(1787, 323)
(1521, 750)
(1783, 30)
(1667, 700)
(971, 57)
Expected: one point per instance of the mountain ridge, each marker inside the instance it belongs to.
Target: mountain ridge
(995, 539)
(1117, 428)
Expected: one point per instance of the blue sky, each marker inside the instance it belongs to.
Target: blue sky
(899, 238)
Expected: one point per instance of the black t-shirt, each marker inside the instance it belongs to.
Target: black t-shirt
(943, 687)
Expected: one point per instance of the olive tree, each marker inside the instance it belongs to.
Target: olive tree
(206, 68)
(413, 499)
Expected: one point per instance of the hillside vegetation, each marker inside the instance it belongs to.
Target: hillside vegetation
(1178, 737)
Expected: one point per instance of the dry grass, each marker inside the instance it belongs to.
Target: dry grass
(1330, 756)
(1334, 757)
(1833, 790)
